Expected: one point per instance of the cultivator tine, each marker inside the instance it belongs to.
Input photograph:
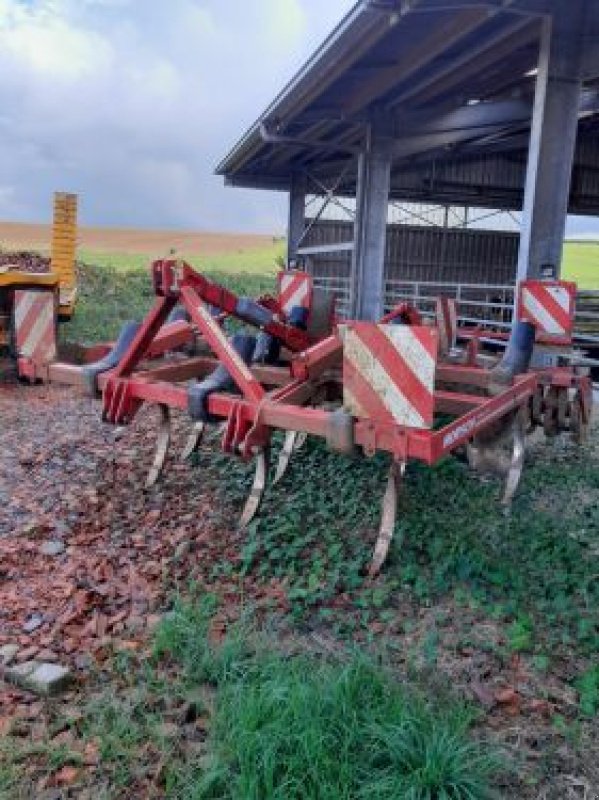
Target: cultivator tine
(301, 440)
(388, 517)
(164, 438)
(517, 461)
(290, 445)
(258, 487)
(194, 440)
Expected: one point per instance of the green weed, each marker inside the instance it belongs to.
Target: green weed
(587, 685)
(287, 728)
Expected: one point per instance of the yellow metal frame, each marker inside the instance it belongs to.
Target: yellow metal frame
(64, 247)
(26, 280)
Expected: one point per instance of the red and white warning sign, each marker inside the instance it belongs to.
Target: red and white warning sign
(550, 306)
(447, 323)
(389, 372)
(35, 325)
(295, 289)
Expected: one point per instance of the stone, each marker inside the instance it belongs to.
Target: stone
(54, 547)
(7, 653)
(34, 621)
(182, 551)
(43, 679)
(20, 672)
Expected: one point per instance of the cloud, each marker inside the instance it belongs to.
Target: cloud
(132, 103)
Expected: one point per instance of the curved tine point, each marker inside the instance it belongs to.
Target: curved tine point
(289, 446)
(517, 461)
(194, 440)
(257, 491)
(164, 438)
(389, 515)
(301, 440)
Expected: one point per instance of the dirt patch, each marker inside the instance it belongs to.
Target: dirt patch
(14, 235)
(85, 552)
(23, 261)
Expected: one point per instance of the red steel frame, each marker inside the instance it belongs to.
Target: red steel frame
(251, 417)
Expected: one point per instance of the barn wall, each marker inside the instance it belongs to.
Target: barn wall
(419, 253)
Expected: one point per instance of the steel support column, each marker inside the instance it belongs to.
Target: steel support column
(370, 228)
(297, 214)
(552, 142)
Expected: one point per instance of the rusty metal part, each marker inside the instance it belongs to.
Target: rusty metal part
(536, 406)
(164, 438)
(388, 517)
(194, 440)
(563, 408)
(258, 488)
(550, 412)
(579, 419)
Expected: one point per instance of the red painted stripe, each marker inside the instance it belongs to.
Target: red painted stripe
(428, 339)
(368, 399)
(294, 284)
(552, 307)
(45, 348)
(407, 382)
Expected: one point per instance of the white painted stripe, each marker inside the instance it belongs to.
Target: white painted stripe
(538, 311)
(373, 372)
(413, 352)
(298, 297)
(43, 322)
(23, 304)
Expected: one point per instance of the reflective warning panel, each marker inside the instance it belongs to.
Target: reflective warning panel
(35, 325)
(295, 289)
(389, 372)
(550, 306)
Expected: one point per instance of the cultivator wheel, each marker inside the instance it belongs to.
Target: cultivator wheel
(162, 445)
(501, 452)
(388, 517)
(258, 488)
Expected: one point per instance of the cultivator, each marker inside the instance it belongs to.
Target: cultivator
(400, 386)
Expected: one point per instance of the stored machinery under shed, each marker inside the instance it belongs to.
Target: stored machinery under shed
(431, 111)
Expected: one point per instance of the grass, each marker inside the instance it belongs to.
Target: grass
(581, 264)
(115, 288)
(532, 571)
(253, 723)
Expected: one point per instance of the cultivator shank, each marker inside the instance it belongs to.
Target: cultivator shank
(400, 386)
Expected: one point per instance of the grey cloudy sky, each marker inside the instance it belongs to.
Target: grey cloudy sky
(133, 102)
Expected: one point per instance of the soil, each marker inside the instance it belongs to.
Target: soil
(89, 561)
(14, 235)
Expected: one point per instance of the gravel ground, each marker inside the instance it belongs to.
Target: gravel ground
(85, 553)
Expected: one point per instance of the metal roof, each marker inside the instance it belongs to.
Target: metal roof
(451, 81)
